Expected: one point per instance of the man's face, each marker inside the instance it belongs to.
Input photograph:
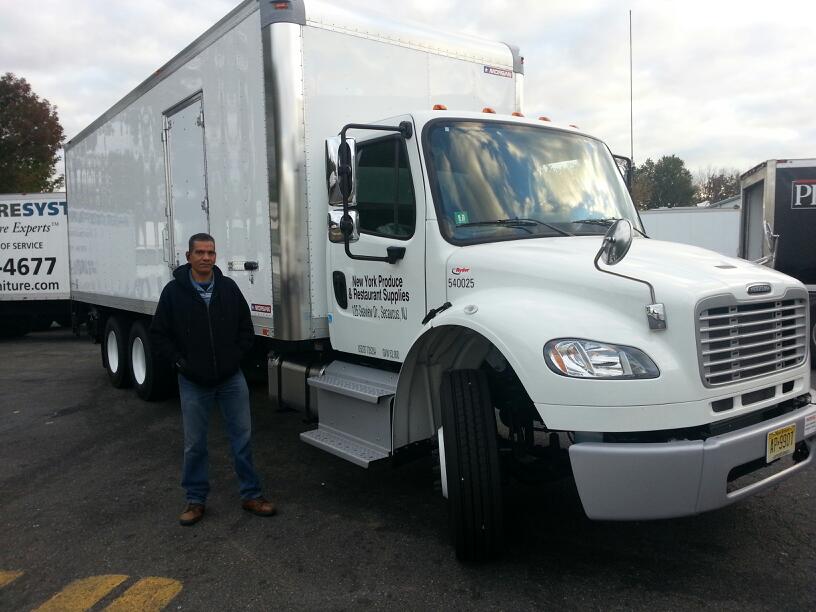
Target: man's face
(202, 258)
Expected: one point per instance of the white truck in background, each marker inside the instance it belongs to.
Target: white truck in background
(779, 224)
(429, 269)
(716, 229)
(34, 277)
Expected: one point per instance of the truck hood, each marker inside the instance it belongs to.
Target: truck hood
(675, 270)
(522, 294)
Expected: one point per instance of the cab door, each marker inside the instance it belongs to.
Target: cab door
(376, 308)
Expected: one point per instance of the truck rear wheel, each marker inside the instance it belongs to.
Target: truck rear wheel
(471, 463)
(149, 374)
(115, 356)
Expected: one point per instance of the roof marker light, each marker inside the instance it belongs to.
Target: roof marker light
(544, 118)
(572, 125)
(517, 114)
(440, 107)
(487, 109)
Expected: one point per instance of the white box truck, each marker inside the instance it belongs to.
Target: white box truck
(424, 278)
(716, 229)
(779, 224)
(34, 280)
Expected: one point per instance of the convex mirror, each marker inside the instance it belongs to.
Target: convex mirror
(335, 233)
(616, 242)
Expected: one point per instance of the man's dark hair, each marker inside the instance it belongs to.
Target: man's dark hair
(201, 237)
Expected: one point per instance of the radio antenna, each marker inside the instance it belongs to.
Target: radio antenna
(631, 111)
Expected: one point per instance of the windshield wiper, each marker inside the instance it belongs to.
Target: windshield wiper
(606, 223)
(521, 223)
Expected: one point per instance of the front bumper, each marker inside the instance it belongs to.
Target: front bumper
(634, 481)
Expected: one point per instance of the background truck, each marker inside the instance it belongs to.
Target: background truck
(460, 281)
(779, 223)
(34, 280)
(716, 229)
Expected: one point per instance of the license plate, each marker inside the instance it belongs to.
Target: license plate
(781, 442)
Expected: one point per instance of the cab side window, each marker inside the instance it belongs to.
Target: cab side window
(385, 189)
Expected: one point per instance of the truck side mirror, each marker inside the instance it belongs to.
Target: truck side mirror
(773, 242)
(345, 169)
(333, 170)
(625, 168)
(616, 242)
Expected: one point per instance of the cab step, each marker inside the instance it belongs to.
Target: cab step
(343, 446)
(354, 407)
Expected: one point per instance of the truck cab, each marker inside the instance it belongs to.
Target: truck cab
(529, 314)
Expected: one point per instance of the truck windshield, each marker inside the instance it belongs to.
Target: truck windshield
(503, 181)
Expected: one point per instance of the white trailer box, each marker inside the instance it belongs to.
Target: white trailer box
(34, 280)
(716, 229)
(478, 268)
(229, 138)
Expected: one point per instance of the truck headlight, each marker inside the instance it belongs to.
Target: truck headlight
(579, 358)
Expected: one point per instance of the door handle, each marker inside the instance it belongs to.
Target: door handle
(395, 253)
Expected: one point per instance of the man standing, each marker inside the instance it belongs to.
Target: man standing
(202, 325)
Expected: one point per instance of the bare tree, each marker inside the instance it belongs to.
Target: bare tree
(715, 184)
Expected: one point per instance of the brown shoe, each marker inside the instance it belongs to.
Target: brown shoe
(259, 506)
(192, 514)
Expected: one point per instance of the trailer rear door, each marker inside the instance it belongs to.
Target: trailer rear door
(187, 174)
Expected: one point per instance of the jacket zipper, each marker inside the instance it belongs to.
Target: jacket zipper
(212, 338)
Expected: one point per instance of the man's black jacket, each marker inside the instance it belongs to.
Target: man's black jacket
(206, 344)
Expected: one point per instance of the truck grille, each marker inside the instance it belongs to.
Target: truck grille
(740, 341)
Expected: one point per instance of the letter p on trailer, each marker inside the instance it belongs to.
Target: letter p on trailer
(430, 271)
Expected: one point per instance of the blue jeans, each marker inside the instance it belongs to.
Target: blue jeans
(232, 396)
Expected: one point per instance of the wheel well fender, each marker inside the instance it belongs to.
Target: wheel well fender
(417, 410)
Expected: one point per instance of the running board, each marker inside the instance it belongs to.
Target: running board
(343, 446)
(355, 412)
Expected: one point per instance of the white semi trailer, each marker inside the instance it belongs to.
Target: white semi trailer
(34, 278)
(443, 280)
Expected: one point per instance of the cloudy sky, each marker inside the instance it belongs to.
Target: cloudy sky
(720, 83)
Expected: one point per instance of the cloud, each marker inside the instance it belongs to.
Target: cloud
(717, 83)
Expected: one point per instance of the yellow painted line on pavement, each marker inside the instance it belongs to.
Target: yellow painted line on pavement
(148, 595)
(82, 594)
(7, 577)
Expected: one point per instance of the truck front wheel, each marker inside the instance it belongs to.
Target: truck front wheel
(471, 463)
(150, 375)
(115, 352)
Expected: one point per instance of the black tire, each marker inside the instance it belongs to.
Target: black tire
(115, 356)
(475, 504)
(150, 375)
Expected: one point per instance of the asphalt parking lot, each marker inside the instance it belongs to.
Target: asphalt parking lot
(90, 498)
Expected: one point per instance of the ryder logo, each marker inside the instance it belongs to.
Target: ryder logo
(458, 271)
(804, 194)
